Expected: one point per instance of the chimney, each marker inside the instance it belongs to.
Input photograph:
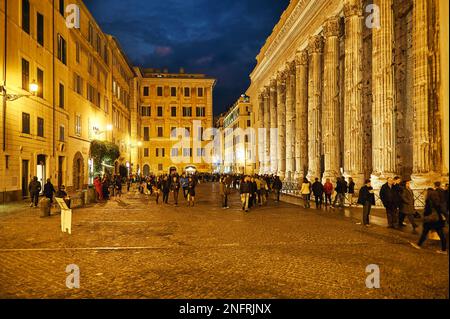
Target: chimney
(181, 70)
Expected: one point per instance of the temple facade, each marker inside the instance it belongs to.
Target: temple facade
(355, 88)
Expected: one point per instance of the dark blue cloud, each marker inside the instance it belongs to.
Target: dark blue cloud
(218, 37)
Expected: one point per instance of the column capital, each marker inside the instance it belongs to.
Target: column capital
(331, 27)
(315, 44)
(281, 77)
(353, 8)
(273, 83)
(290, 66)
(301, 58)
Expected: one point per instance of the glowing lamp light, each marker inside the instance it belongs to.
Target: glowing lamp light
(109, 127)
(34, 87)
(139, 143)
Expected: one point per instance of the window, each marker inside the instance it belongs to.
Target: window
(173, 132)
(90, 33)
(40, 82)
(157, 152)
(61, 133)
(187, 131)
(40, 28)
(146, 91)
(62, 53)
(78, 84)
(248, 123)
(200, 133)
(26, 16)
(187, 152)
(160, 111)
(163, 152)
(106, 105)
(187, 92)
(146, 133)
(26, 123)
(201, 152)
(187, 111)
(146, 111)
(61, 7)
(200, 92)
(173, 111)
(159, 91)
(160, 131)
(90, 64)
(61, 95)
(77, 52)
(145, 152)
(7, 161)
(160, 167)
(25, 74)
(174, 152)
(40, 127)
(173, 91)
(78, 124)
(200, 111)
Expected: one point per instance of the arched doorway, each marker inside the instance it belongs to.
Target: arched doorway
(146, 170)
(78, 171)
(191, 169)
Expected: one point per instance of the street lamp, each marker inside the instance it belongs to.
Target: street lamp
(34, 87)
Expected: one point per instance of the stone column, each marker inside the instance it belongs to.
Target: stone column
(315, 50)
(353, 126)
(273, 127)
(423, 175)
(301, 114)
(267, 132)
(261, 135)
(290, 119)
(281, 108)
(383, 113)
(330, 109)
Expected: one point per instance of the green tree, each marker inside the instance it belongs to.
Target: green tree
(103, 152)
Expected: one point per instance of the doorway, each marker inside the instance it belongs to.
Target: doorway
(25, 172)
(40, 170)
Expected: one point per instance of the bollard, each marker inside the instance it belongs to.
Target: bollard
(44, 205)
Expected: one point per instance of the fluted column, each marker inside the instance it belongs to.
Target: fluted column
(315, 50)
(261, 133)
(301, 114)
(273, 127)
(281, 107)
(330, 109)
(422, 144)
(383, 113)
(267, 130)
(353, 126)
(290, 119)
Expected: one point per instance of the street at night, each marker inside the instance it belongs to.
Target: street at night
(132, 248)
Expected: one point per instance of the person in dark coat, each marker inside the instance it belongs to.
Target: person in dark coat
(341, 190)
(433, 219)
(61, 193)
(245, 189)
(175, 188)
(49, 190)
(34, 188)
(407, 204)
(277, 186)
(443, 196)
(191, 191)
(351, 191)
(366, 198)
(165, 189)
(317, 189)
(388, 196)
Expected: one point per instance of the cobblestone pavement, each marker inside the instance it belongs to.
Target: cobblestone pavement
(132, 248)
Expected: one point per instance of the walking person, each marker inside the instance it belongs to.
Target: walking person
(306, 192)
(191, 191)
(341, 190)
(225, 190)
(351, 191)
(98, 188)
(165, 189)
(389, 200)
(245, 189)
(317, 189)
(407, 204)
(184, 181)
(398, 188)
(328, 190)
(49, 190)
(433, 219)
(156, 187)
(175, 188)
(366, 198)
(277, 186)
(34, 187)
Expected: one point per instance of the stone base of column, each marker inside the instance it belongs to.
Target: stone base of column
(378, 179)
(282, 175)
(424, 181)
(289, 176)
(311, 176)
(297, 176)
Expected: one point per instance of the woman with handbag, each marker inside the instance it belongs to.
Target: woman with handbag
(433, 219)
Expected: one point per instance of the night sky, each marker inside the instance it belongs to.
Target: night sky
(218, 37)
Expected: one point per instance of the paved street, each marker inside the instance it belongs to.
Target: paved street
(131, 248)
